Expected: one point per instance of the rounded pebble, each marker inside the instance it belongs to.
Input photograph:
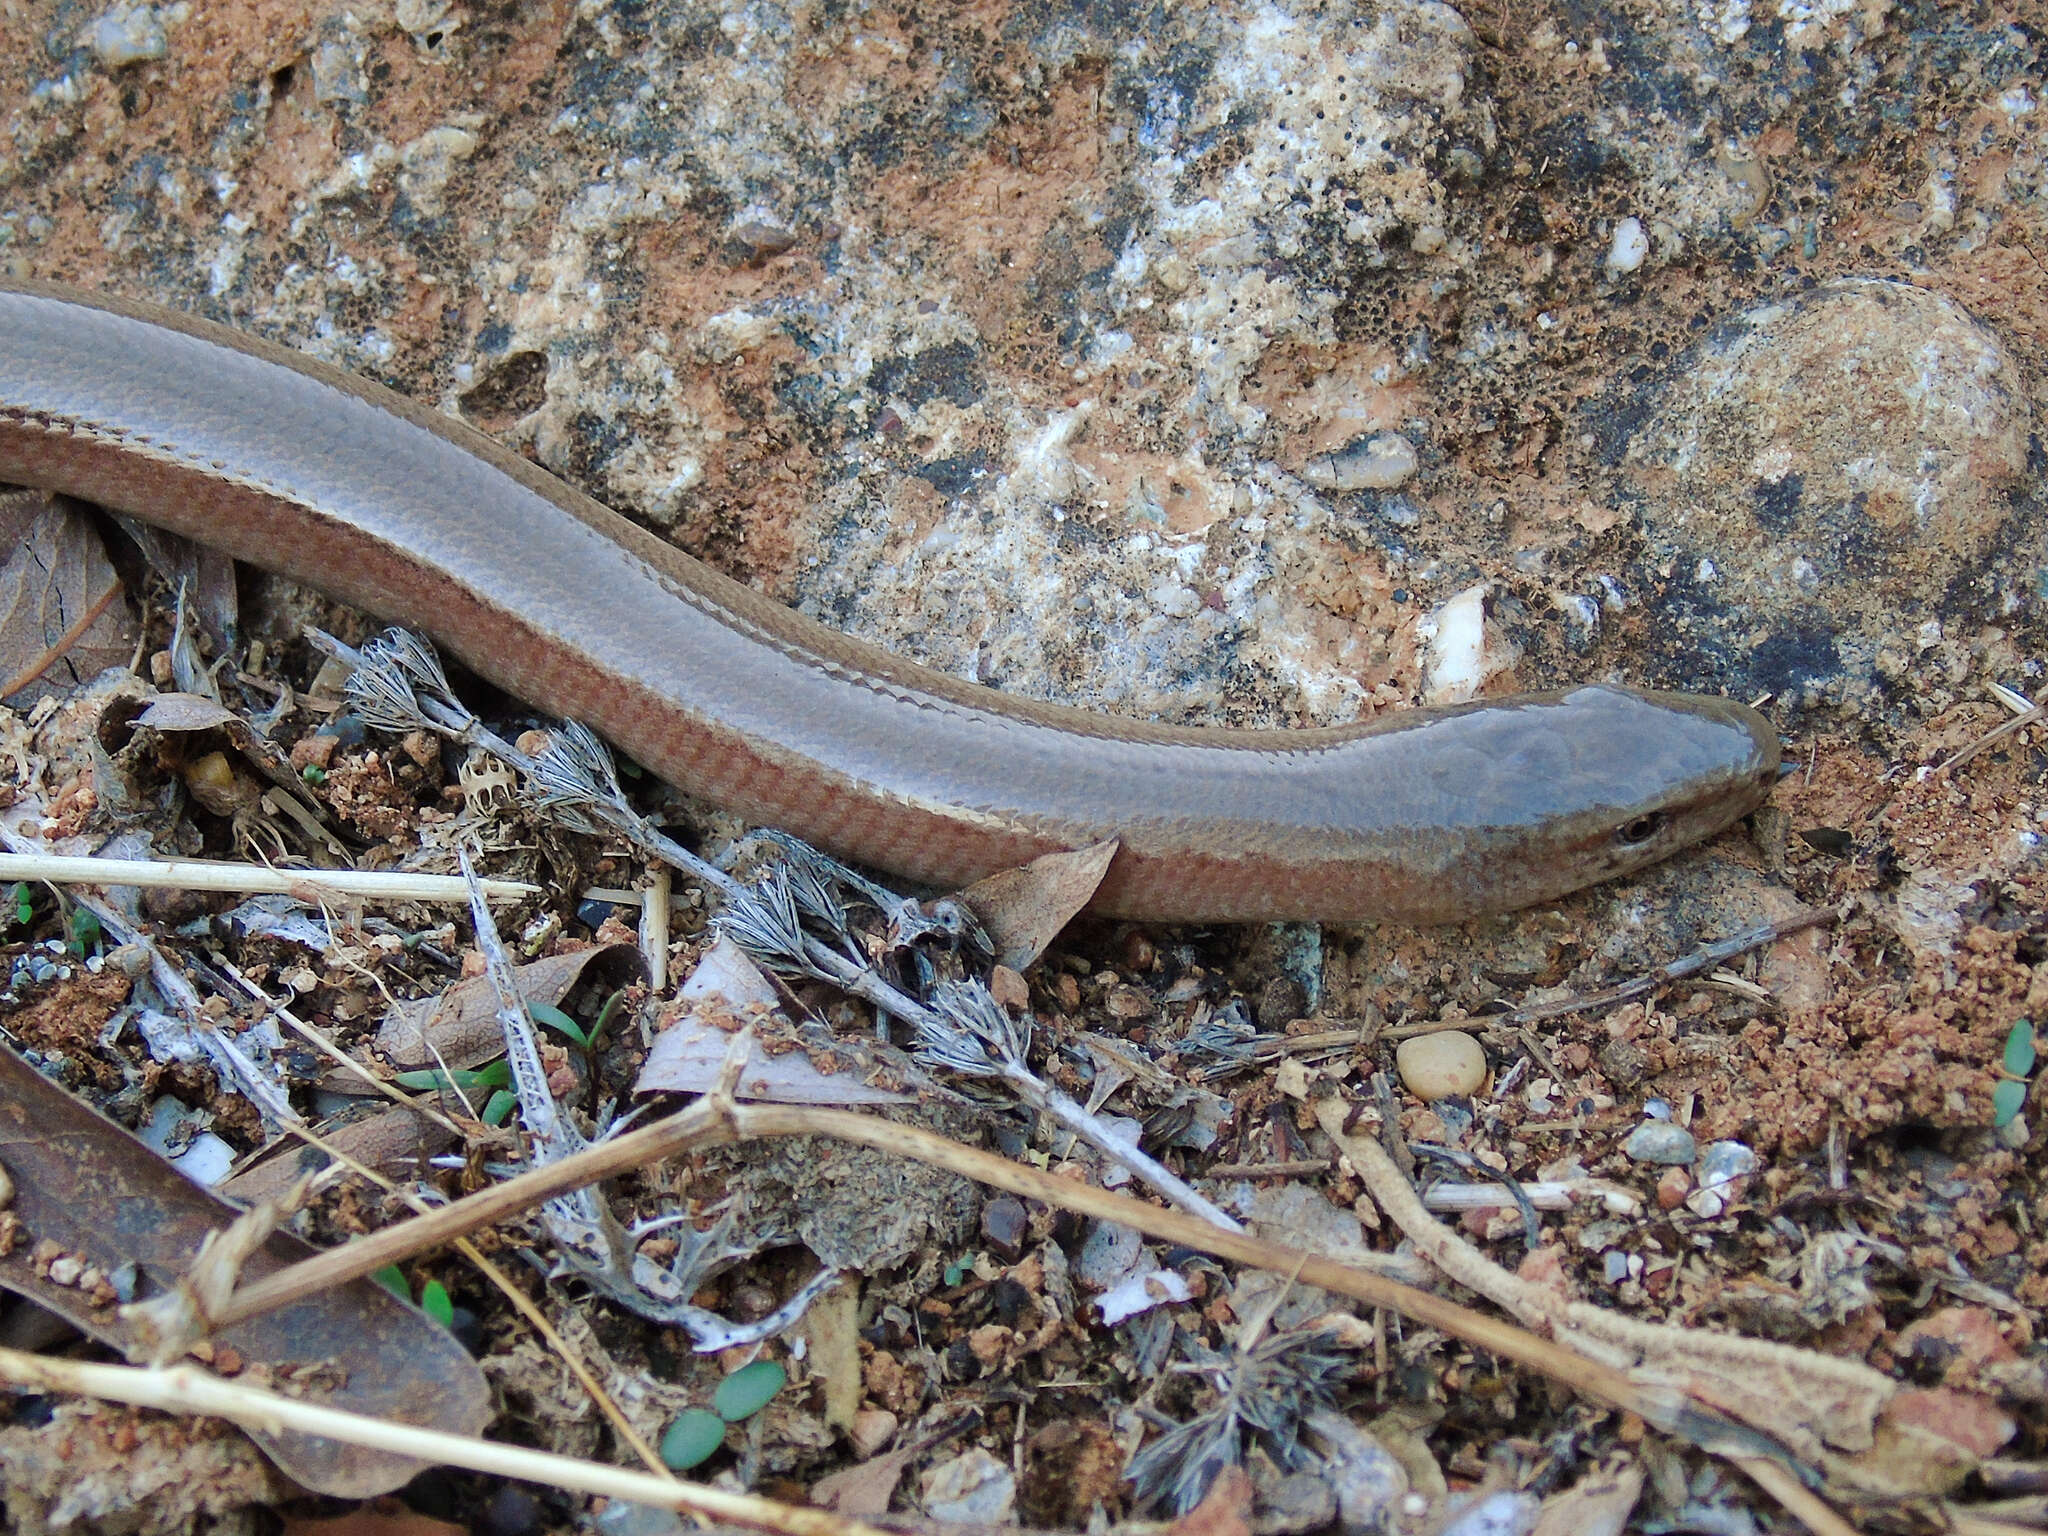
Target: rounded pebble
(1827, 468)
(1672, 1188)
(1442, 1065)
(1004, 1226)
(1661, 1141)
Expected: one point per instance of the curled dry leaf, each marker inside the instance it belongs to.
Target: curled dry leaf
(726, 991)
(392, 1141)
(1024, 909)
(62, 621)
(87, 1192)
(461, 1025)
(1598, 1504)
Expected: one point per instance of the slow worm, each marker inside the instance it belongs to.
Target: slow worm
(1431, 815)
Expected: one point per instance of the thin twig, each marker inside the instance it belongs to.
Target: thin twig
(252, 879)
(187, 1390)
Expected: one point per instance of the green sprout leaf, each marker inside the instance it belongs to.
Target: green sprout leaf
(2007, 1099)
(435, 1303)
(392, 1278)
(693, 1439)
(604, 1016)
(499, 1110)
(747, 1390)
(85, 932)
(2019, 1049)
(559, 1022)
(432, 1079)
(24, 907)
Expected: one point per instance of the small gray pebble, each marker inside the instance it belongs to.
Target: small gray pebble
(1660, 1141)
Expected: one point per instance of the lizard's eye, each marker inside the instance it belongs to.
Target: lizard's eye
(1634, 833)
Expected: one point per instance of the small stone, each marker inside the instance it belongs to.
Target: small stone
(1624, 1062)
(1282, 1000)
(972, 1489)
(1672, 1189)
(1294, 1502)
(1629, 246)
(128, 35)
(511, 1511)
(1009, 989)
(872, 1428)
(1661, 1141)
(1439, 1066)
(1724, 1172)
(1004, 1224)
(1383, 462)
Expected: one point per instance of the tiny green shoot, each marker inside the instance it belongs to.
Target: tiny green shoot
(604, 1016)
(694, 1438)
(435, 1303)
(559, 1022)
(2010, 1096)
(84, 933)
(697, 1433)
(432, 1080)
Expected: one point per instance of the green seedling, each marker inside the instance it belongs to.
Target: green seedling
(697, 1433)
(560, 1023)
(434, 1300)
(83, 930)
(434, 1080)
(2010, 1096)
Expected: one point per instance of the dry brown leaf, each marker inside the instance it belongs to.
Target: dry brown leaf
(62, 621)
(461, 1025)
(1598, 1504)
(1025, 909)
(863, 1490)
(174, 712)
(724, 992)
(392, 1141)
(91, 1199)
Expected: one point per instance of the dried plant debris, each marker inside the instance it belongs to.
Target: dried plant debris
(97, 1220)
(1258, 1395)
(62, 618)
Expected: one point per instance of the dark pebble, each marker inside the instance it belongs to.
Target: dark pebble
(1004, 1227)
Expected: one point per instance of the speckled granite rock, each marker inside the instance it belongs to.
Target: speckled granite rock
(1866, 441)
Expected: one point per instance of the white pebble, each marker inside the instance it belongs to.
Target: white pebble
(127, 36)
(1441, 1065)
(1629, 248)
